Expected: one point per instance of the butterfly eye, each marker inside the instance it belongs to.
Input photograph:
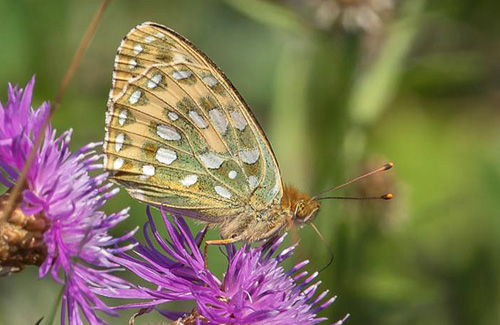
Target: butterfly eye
(300, 210)
(306, 211)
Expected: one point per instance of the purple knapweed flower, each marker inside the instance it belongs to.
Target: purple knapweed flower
(56, 223)
(254, 290)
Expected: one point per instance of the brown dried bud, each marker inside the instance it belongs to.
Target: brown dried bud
(21, 238)
(387, 216)
(186, 320)
(190, 319)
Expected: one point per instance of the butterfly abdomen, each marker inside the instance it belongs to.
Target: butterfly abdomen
(256, 225)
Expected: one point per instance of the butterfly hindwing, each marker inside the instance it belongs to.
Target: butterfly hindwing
(179, 134)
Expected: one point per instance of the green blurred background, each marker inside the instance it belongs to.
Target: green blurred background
(339, 89)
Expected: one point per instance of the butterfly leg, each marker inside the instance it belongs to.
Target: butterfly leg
(216, 242)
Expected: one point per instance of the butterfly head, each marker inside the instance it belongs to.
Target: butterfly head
(305, 211)
(302, 207)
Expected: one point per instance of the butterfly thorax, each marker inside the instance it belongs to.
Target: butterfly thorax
(254, 224)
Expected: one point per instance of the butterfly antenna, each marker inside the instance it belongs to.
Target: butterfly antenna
(373, 172)
(387, 196)
(16, 190)
(330, 252)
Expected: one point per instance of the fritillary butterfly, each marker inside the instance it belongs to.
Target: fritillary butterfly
(179, 135)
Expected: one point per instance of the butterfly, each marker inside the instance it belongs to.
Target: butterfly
(180, 136)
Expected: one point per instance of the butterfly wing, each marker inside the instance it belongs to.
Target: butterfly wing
(178, 134)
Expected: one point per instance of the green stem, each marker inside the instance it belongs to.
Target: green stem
(290, 111)
(53, 311)
(377, 86)
(270, 14)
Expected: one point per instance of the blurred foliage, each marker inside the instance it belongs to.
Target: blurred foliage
(421, 91)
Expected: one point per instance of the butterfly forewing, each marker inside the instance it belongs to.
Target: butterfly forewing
(179, 134)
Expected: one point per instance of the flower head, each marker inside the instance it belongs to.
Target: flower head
(19, 123)
(56, 223)
(254, 290)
